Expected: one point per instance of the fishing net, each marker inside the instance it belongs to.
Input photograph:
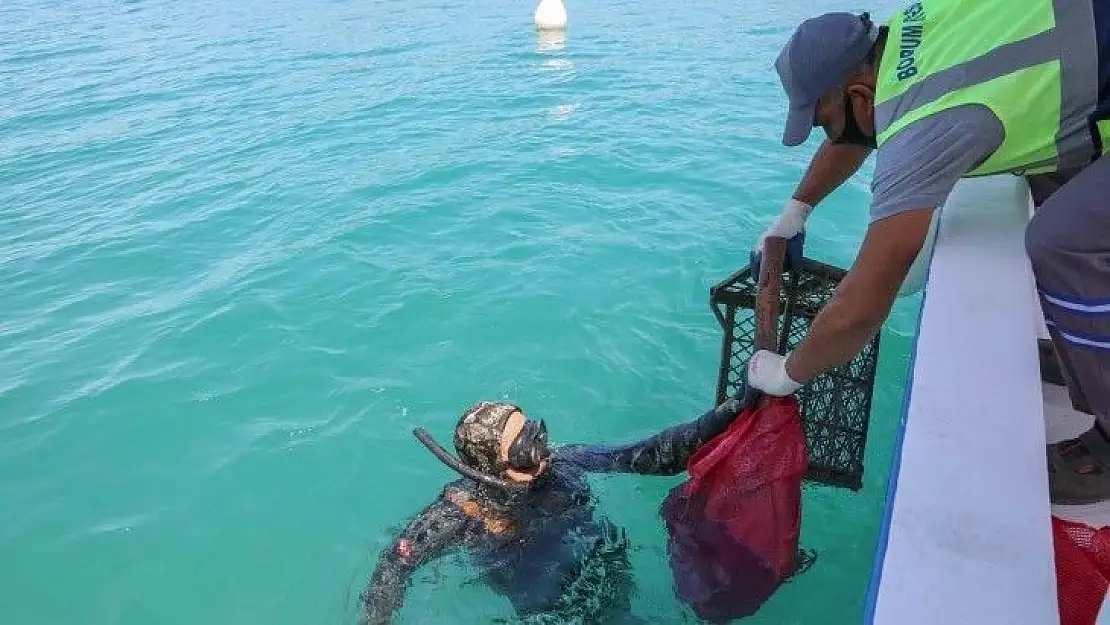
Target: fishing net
(733, 526)
(600, 594)
(1082, 570)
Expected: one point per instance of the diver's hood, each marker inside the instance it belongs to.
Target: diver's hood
(482, 478)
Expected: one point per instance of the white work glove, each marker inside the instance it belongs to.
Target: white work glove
(789, 223)
(767, 373)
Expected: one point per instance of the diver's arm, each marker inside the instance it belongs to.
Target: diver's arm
(434, 530)
(665, 453)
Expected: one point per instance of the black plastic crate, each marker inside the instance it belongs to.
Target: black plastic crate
(836, 406)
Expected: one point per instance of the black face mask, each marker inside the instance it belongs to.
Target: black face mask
(530, 447)
(852, 134)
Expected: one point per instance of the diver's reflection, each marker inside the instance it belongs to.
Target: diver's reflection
(551, 40)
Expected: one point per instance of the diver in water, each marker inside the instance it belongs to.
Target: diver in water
(524, 514)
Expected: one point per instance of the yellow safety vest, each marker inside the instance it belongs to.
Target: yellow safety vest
(1034, 63)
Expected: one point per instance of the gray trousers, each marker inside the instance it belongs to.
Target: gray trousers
(1068, 242)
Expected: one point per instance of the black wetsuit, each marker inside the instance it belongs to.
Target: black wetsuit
(549, 536)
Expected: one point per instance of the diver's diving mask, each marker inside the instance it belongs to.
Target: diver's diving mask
(529, 449)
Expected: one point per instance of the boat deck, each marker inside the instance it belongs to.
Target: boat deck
(967, 534)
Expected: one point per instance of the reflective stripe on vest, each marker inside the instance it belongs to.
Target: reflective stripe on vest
(1034, 63)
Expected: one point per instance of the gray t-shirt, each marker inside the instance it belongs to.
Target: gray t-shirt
(919, 166)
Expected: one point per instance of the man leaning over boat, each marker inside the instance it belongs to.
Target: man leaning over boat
(1024, 88)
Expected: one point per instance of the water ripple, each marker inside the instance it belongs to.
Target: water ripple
(246, 248)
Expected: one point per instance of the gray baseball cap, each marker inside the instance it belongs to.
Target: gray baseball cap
(822, 51)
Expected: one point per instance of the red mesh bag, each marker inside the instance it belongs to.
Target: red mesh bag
(733, 525)
(1082, 570)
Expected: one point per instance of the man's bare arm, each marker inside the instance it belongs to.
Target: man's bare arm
(831, 166)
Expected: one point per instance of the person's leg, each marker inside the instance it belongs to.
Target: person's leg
(1068, 242)
(1053, 368)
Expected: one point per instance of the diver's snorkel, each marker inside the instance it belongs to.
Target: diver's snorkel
(446, 458)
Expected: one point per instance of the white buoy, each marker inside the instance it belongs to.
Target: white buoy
(551, 15)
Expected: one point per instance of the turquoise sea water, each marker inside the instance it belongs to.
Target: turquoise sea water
(246, 246)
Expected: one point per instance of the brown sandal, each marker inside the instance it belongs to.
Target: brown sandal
(1079, 469)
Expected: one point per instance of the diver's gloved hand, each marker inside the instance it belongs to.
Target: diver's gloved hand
(749, 397)
(767, 373)
(790, 224)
